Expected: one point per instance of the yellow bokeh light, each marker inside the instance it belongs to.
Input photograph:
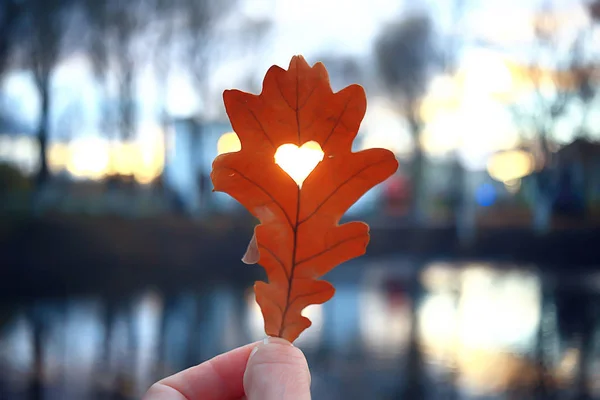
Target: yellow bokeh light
(58, 157)
(298, 162)
(94, 158)
(509, 166)
(88, 158)
(122, 160)
(228, 143)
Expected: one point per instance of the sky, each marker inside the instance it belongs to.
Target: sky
(312, 28)
(308, 27)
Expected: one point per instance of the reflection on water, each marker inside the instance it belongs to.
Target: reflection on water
(483, 321)
(479, 331)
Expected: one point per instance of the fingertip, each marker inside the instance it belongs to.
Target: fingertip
(277, 370)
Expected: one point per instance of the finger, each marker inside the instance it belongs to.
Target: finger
(219, 378)
(277, 371)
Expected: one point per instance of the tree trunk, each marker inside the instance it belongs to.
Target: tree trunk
(541, 389)
(417, 172)
(587, 324)
(127, 108)
(36, 383)
(464, 225)
(414, 382)
(42, 131)
(542, 208)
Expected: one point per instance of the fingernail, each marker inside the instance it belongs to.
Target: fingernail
(276, 340)
(270, 340)
(265, 341)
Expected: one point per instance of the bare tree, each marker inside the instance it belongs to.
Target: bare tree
(563, 76)
(202, 17)
(343, 70)
(44, 29)
(167, 25)
(406, 56)
(11, 12)
(211, 37)
(98, 18)
(126, 19)
(117, 30)
(561, 73)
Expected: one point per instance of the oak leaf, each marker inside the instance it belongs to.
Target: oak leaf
(299, 238)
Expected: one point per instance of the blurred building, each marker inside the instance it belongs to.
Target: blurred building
(192, 145)
(578, 177)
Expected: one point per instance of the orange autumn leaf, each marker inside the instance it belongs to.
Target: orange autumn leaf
(299, 239)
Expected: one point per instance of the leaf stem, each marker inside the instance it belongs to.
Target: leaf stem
(292, 265)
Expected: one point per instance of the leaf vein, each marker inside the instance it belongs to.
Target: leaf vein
(281, 264)
(321, 204)
(265, 191)
(337, 122)
(301, 106)
(276, 304)
(294, 299)
(262, 128)
(329, 248)
(283, 97)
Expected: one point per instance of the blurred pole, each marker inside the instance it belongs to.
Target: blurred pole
(42, 132)
(542, 209)
(454, 373)
(414, 381)
(542, 389)
(463, 218)
(45, 46)
(105, 376)
(467, 228)
(195, 320)
(418, 164)
(38, 327)
(162, 369)
(165, 125)
(462, 209)
(583, 380)
(198, 166)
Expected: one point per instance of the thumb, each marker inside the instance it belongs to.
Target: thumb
(277, 370)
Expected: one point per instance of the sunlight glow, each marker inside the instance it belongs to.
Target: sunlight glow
(482, 325)
(514, 298)
(486, 73)
(443, 96)
(385, 128)
(457, 109)
(298, 162)
(88, 158)
(438, 317)
(228, 143)
(95, 158)
(511, 165)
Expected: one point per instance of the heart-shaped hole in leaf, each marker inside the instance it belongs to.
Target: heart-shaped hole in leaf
(298, 162)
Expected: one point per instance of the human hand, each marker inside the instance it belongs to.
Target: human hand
(269, 370)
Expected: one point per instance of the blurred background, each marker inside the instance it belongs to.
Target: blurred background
(119, 266)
